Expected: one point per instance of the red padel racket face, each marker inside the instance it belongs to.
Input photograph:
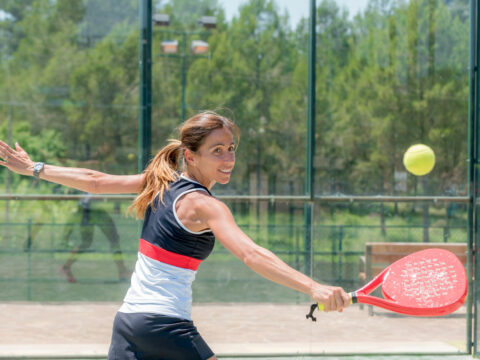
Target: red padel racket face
(432, 278)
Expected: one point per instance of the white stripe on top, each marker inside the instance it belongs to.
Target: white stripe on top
(159, 288)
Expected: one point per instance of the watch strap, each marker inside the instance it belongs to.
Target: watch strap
(37, 168)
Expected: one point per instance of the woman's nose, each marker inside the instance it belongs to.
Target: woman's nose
(230, 157)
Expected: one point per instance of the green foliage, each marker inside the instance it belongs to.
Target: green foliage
(392, 76)
(46, 145)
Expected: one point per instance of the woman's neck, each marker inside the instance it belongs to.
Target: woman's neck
(191, 176)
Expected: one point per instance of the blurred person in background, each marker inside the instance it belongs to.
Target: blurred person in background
(89, 216)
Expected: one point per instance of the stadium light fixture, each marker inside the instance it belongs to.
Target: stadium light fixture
(199, 47)
(170, 46)
(161, 19)
(208, 22)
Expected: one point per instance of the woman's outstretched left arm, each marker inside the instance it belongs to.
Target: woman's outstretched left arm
(91, 181)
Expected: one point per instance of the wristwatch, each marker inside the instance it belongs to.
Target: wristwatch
(37, 168)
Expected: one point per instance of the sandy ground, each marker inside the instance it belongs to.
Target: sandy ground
(66, 329)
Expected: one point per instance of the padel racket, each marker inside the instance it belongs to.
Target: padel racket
(429, 282)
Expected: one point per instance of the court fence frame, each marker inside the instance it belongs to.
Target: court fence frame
(305, 258)
(310, 200)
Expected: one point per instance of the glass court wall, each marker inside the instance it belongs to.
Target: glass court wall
(394, 75)
(69, 96)
(385, 75)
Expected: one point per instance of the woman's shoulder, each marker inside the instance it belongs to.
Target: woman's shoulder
(197, 204)
(204, 204)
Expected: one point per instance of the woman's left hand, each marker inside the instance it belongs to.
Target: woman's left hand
(16, 160)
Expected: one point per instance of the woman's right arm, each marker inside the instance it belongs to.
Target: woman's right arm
(220, 220)
(87, 180)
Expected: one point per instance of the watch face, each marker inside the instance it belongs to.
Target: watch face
(37, 167)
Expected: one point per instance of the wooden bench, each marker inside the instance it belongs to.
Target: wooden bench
(381, 254)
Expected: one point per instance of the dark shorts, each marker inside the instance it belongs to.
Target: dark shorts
(146, 336)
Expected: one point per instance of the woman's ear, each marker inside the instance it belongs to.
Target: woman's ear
(189, 157)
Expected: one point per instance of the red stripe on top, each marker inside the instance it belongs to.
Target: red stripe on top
(157, 253)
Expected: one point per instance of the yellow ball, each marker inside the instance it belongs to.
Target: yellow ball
(419, 159)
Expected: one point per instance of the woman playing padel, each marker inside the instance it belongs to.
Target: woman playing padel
(182, 219)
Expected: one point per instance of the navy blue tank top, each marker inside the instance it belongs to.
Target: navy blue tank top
(168, 257)
(163, 229)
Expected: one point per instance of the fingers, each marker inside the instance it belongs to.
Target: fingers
(5, 154)
(335, 299)
(15, 160)
(5, 150)
(339, 300)
(342, 298)
(18, 147)
(329, 302)
(347, 299)
(3, 144)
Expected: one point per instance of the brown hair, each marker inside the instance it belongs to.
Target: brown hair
(164, 167)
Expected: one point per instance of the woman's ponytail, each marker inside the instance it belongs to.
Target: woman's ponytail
(162, 170)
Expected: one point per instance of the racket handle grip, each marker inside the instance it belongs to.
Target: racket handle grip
(352, 295)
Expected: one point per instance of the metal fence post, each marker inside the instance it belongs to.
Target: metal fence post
(309, 239)
(145, 106)
(309, 172)
(473, 109)
(28, 250)
(339, 254)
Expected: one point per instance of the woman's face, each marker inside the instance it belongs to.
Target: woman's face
(214, 160)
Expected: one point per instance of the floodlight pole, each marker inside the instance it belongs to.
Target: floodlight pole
(145, 85)
(4, 54)
(310, 173)
(183, 55)
(184, 72)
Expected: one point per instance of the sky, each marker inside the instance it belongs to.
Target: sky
(3, 14)
(296, 8)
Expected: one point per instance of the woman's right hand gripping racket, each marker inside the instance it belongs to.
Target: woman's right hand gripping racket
(429, 282)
